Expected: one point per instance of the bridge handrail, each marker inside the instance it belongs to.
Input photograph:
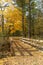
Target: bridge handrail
(35, 40)
(31, 42)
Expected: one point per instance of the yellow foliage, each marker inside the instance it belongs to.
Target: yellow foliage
(18, 25)
(14, 17)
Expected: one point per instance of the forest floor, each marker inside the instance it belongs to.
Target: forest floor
(22, 60)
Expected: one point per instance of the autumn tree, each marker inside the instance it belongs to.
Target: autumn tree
(14, 18)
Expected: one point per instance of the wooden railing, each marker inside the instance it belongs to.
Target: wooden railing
(33, 42)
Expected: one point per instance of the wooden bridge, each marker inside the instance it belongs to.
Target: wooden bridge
(24, 46)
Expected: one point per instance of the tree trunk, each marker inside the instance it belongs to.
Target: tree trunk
(23, 22)
(29, 21)
(2, 25)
